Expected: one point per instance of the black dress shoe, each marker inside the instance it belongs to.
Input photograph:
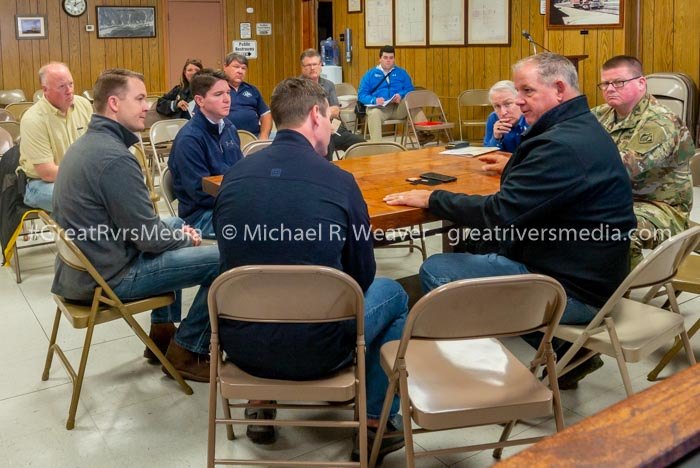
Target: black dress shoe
(389, 444)
(261, 434)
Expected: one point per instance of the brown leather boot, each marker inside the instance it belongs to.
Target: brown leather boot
(191, 365)
(161, 334)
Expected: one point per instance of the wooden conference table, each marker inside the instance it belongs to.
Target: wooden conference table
(383, 174)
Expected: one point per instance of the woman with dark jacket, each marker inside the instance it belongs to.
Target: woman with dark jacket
(175, 103)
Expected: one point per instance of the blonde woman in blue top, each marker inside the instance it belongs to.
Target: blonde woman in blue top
(506, 123)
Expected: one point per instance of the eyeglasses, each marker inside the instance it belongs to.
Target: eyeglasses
(617, 84)
(310, 65)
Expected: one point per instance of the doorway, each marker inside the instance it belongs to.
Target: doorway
(324, 22)
(195, 30)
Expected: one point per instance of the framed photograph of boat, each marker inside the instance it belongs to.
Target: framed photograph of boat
(30, 27)
(125, 22)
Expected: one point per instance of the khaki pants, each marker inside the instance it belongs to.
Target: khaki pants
(376, 116)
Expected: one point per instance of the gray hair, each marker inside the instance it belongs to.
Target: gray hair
(43, 71)
(235, 57)
(551, 66)
(503, 85)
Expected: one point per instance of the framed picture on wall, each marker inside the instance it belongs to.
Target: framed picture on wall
(446, 22)
(379, 23)
(488, 22)
(30, 27)
(354, 6)
(585, 14)
(126, 22)
(411, 23)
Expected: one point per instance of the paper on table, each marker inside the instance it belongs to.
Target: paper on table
(471, 151)
(386, 102)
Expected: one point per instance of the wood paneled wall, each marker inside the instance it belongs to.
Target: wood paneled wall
(68, 42)
(278, 54)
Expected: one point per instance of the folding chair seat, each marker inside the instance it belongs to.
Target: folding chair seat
(246, 137)
(478, 99)
(629, 330)
(104, 307)
(436, 121)
(451, 371)
(286, 294)
(255, 146)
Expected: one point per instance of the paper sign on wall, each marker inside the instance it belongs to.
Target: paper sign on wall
(246, 48)
(245, 31)
(263, 29)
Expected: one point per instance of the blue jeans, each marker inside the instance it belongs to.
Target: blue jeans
(444, 268)
(204, 224)
(153, 274)
(386, 308)
(39, 194)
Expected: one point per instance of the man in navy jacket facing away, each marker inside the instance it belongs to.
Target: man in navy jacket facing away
(565, 204)
(286, 204)
(207, 145)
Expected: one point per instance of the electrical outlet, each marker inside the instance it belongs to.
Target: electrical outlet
(90, 28)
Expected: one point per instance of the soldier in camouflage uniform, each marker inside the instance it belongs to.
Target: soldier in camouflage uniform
(655, 147)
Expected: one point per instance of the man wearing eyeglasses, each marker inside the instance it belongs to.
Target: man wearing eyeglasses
(655, 147)
(341, 138)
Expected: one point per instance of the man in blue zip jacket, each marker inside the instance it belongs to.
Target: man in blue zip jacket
(384, 83)
(207, 145)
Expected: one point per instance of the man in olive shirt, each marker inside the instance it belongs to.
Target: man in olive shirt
(48, 128)
(655, 147)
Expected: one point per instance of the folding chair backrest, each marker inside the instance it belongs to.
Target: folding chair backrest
(422, 98)
(12, 128)
(87, 94)
(488, 307)
(6, 116)
(370, 148)
(6, 141)
(246, 137)
(677, 92)
(38, 94)
(17, 109)
(165, 130)
(345, 89)
(286, 294)
(255, 146)
(661, 265)
(474, 98)
(8, 96)
(71, 255)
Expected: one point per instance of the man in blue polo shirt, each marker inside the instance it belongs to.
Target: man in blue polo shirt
(248, 109)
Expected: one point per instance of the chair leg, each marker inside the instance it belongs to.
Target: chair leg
(504, 436)
(406, 410)
(152, 346)
(383, 418)
(52, 344)
(78, 383)
(230, 435)
(619, 356)
(211, 423)
(18, 269)
(671, 353)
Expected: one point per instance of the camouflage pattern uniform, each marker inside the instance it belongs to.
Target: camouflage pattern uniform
(656, 148)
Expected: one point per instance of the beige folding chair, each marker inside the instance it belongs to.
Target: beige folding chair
(370, 148)
(6, 116)
(161, 136)
(246, 137)
(451, 372)
(9, 96)
(38, 94)
(166, 186)
(430, 104)
(255, 146)
(17, 109)
(474, 98)
(12, 128)
(6, 141)
(140, 154)
(104, 307)
(686, 280)
(347, 96)
(87, 94)
(286, 294)
(678, 92)
(629, 330)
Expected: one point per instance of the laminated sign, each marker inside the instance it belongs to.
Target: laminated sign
(246, 48)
